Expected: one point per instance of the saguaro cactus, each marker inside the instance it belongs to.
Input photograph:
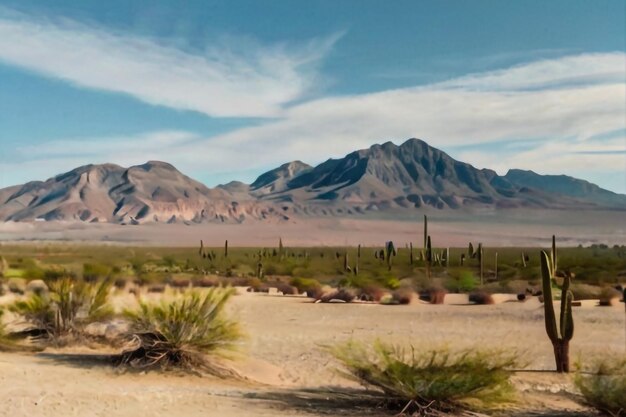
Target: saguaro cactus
(553, 259)
(391, 252)
(226, 249)
(411, 258)
(201, 251)
(560, 334)
(429, 256)
(481, 263)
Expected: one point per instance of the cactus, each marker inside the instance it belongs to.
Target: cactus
(447, 257)
(201, 251)
(259, 269)
(470, 251)
(561, 334)
(226, 249)
(553, 259)
(346, 267)
(411, 259)
(524, 258)
(481, 263)
(358, 260)
(429, 256)
(280, 247)
(391, 252)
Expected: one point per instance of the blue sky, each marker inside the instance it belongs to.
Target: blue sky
(225, 90)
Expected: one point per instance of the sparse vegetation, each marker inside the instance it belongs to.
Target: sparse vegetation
(604, 387)
(433, 380)
(70, 305)
(182, 332)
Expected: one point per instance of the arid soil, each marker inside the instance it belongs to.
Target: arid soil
(283, 358)
(448, 228)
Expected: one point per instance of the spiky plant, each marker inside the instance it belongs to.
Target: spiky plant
(390, 253)
(562, 333)
(70, 305)
(181, 333)
(429, 256)
(604, 387)
(432, 380)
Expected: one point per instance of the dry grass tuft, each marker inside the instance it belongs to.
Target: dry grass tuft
(432, 381)
(181, 333)
(605, 387)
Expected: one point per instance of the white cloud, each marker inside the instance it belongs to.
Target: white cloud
(226, 80)
(538, 102)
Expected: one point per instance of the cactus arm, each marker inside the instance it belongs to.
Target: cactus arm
(567, 326)
(554, 260)
(548, 304)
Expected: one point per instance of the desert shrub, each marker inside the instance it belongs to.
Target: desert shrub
(605, 386)
(305, 284)
(433, 380)
(403, 295)
(462, 281)
(481, 298)
(207, 282)
(68, 307)
(340, 294)
(433, 295)
(371, 292)
(182, 332)
(392, 283)
(95, 272)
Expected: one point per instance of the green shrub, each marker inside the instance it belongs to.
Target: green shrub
(67, 309)
(94, 272)
(605, 387)
(435, 379)
(462, 281)
(305, 284)
(180, 333)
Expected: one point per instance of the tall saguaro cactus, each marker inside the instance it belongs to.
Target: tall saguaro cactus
(560, 333)
(553, 259)
(391, 252)
(226, 249)
(481, 263)
(429, 256)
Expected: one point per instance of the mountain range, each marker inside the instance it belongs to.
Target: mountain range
(381, 180)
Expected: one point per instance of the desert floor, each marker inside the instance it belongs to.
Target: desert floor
(449, 228)
(283, 359)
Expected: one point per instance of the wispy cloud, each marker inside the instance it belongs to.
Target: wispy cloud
(243, 79)
(557, 121)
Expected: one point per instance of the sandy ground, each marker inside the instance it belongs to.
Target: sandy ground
(449, 228)
(283, 354)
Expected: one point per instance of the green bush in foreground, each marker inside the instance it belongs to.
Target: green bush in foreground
(70, 305)
(435, 380)
(605, 387)
(181, 332)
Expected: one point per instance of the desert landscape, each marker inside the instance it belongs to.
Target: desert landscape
(284, 363)
(242, 208)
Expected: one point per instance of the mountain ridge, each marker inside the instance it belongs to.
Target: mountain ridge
(382, 178)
